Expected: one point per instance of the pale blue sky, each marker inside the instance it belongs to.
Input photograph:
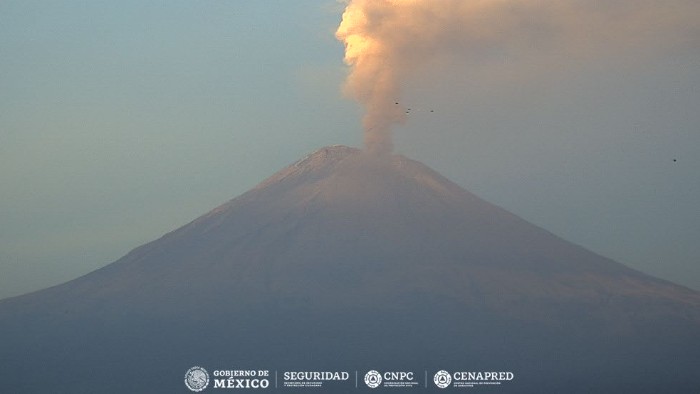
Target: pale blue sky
(120, 121)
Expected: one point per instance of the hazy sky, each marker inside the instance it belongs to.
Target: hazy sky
(121, 121)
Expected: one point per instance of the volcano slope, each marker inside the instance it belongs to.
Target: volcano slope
(345, 260)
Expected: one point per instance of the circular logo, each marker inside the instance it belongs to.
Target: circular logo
(373, 379)
(196, 379)
(442, 379)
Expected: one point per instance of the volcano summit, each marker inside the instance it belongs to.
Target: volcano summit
(348, 260)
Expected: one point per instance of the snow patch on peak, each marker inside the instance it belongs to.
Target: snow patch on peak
(323, 155)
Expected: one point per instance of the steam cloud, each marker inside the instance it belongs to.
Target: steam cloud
(389, 41)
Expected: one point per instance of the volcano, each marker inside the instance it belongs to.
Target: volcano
(351, 261)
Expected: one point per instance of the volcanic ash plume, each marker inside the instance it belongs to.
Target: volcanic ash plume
(388, 41)
(374, 79)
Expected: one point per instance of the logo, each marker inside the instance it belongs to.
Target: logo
(196, 379)
(442, 379)
(473, 379)
(373, 379)
(241, 379)
(300, 379)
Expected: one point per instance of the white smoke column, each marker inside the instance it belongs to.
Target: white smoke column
(389, 41)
